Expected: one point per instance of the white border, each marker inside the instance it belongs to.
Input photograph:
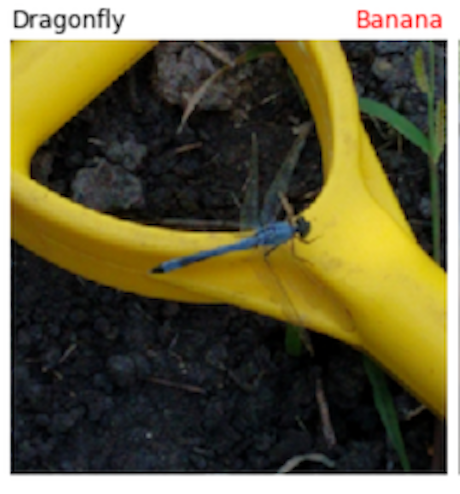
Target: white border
(239, 19)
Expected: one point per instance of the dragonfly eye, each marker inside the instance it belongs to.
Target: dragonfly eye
(303, 227)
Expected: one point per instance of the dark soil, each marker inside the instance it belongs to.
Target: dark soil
(110, 381)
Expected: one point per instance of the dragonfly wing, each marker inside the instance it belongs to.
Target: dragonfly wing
(249, 219)
(280, 184)
(249, 216)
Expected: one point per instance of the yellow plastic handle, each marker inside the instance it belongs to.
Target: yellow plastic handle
(364, 280)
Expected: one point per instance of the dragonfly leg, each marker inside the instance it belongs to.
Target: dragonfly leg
(289, 308)
(294, 254)
(270, 250)
(310, 241)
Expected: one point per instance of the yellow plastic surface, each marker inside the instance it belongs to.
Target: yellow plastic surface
(365, 280)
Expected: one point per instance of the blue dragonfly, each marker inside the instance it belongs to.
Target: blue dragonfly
(273, 233)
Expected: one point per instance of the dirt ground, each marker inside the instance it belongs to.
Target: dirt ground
(108, 381)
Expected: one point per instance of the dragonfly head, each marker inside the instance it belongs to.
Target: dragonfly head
(302, 227)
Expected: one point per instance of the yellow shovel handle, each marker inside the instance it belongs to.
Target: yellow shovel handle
(365, 281)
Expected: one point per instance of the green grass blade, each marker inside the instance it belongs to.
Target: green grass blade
(404, 126)
(439, 129)
(292, 342)
(257, 51)
(384, 404)
(420, 71)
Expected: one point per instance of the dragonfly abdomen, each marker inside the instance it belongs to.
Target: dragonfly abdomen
(244, 244)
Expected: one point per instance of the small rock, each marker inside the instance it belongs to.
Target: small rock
(107, 187)
(128, 153)
(382, 68)
(122, 370)
(182, 68)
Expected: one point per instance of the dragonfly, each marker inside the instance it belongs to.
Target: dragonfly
(272, 234)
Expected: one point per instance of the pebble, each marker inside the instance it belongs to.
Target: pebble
(107, 187)
(128, 153)
(122, 370)
(382, 68)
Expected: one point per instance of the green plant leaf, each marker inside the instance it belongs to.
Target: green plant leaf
(440, 129)
(420, 72)
(384, 404)
(292, 342)
(258, 51)
(404, 126)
